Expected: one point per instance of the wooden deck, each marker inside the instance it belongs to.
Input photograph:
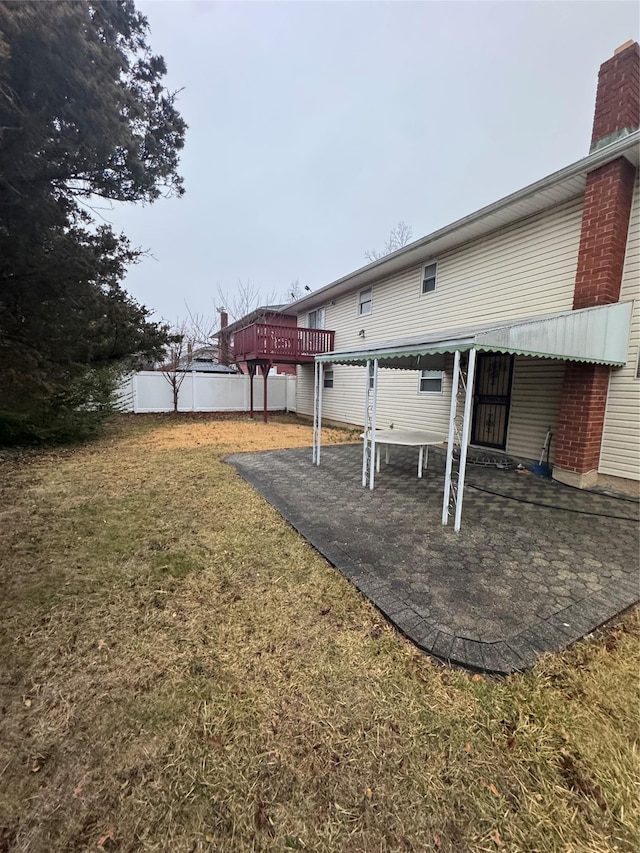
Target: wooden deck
(281, 344)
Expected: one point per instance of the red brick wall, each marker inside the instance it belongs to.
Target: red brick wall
(605, 223)
(584, 397)
(618, 96)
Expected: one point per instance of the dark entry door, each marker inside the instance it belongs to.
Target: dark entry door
(491, 400)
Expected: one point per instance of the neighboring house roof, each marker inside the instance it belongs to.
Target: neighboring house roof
(555, 189)
(206, 366)
(202, 353)
(598, 335)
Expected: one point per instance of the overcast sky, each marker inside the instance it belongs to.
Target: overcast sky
(315, 127)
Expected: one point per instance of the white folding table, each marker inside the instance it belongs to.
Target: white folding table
(406, 438)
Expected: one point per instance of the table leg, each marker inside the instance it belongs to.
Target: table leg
(378, 459)
(420, 457)
(386, 454)
(426, 457)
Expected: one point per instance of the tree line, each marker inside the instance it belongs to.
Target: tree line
(84, 115)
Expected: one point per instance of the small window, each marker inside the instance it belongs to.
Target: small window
(372, 370)
(328, 377)
(429, 278)
(364, 302)
(430, 382)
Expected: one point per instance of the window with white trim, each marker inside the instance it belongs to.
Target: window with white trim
(429, 274)
(328, 377)
(372, 371)
(365, 302)
(315, 319)
(430, 382)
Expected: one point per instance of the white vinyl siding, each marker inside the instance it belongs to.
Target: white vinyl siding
(620, 453)
(536, 395)
(524, 270)
(304, 389)
(399, 402)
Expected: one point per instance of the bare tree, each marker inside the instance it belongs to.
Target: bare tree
(201, 329)
(244, 299)
(171, 366)
(398, 237)
(187, 338)
(294, 291)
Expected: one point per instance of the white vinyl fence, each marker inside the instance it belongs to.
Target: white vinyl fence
(149, 391)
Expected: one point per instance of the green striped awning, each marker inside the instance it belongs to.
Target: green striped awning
(597, 335)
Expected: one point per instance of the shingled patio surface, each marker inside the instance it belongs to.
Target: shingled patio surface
(536, 565)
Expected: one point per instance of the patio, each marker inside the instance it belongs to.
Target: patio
(536, 565)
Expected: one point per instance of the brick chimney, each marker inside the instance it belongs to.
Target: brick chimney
(618, 97)
(605, 223)
(223, 340)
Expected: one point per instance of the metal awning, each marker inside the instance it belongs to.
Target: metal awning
(597, 335)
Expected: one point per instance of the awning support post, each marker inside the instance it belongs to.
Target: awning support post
(458, 439)
(315, 412)
(372, 422)
(365, 434)
(452, 436)
(466, 429)
(318, 382)
(369, 434)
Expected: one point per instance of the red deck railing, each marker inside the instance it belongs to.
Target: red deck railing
(290, 344)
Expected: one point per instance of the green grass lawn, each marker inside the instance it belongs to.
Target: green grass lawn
(180, 671)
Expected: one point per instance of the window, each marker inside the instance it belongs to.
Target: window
(430, 382)
(372, 370)
(315, 319)
(429, 278)
(328, 377)
(364, 302)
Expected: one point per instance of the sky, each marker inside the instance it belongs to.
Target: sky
(315, 127)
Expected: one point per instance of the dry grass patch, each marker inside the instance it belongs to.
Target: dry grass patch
(181, 671)
(237, 435)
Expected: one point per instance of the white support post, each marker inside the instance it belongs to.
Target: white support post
(320, 387)
(466, 428)
(372, 443)
(452, 435)
(365, 434)
(315, 412)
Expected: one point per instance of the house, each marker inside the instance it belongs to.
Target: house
(533, 301)
(268, 339)
(242, 341)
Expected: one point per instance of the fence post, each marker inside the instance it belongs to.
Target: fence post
(134, 392)
(193, 391)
